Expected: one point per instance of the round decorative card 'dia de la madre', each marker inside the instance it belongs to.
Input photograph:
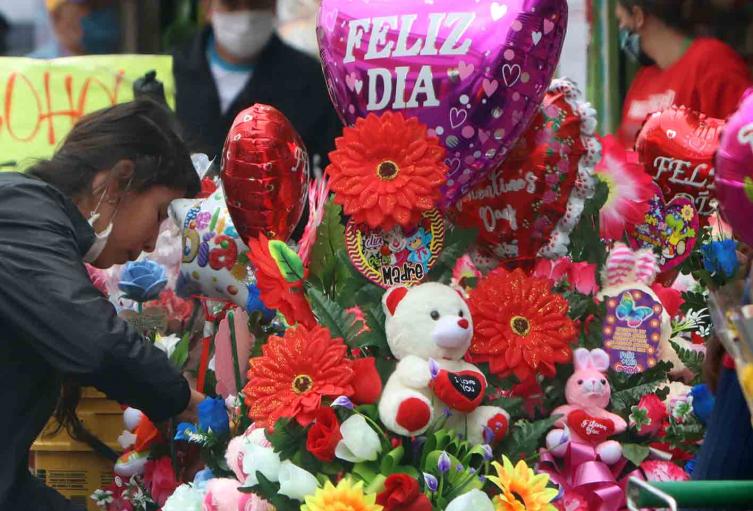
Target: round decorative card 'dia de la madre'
(396, 257)
(632, 331)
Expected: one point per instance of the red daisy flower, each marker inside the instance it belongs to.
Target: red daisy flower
(294, 373)
(520, 326)
(275, 291)
(386, 170)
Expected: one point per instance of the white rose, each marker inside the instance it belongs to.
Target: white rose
(167, 344)
(359, 442)
(296, 482)
(474, 500)
(185, 498)
(260, 459)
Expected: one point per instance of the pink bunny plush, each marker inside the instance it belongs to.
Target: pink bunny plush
(585, 418)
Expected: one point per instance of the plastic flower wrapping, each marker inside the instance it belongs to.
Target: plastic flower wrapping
(404, 355)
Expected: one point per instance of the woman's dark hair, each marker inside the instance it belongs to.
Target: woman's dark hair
(142, 131)
(674, 13)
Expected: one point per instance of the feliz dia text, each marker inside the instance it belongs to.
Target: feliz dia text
(378, 47)
(682, 174)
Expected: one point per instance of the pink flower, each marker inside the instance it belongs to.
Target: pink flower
(222, 495)
(663, 471)
(98, 278)
(549, 197)
(159, 478)
(251, 502)
(630, 189)
(581, 276)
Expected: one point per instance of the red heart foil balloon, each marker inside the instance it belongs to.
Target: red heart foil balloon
(265, 173)
(593, 429)
(462, 390)
(677, 147)
(529, 205)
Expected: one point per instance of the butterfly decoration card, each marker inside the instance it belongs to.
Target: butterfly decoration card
(632, 331)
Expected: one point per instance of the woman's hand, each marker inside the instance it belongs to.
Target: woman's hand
(191, 414)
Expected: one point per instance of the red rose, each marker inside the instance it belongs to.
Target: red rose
(401, 493)
(670, 298)
(159, 478)
(324, 435)
(367, 384)
(656, 411)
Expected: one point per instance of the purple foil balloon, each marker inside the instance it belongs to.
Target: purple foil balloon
(734, 170)
(473, 71)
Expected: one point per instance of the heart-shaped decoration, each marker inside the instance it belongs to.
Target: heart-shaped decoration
(677, 146)
(425, 59)
(528, 205)
(670, 229)
(462, 390)
(734, 180)
(396, 257)
(264, 165)
(592, 429)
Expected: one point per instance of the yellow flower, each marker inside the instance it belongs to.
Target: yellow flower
(346, 496)
(687, 212)
(522, 489)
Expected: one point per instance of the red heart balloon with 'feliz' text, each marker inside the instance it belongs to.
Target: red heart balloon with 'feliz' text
(265, 173)
(530, 204)
(462, 390)
(590, 428)
(676, 147)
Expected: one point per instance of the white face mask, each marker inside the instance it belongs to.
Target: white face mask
(100, 238)
(243, 33)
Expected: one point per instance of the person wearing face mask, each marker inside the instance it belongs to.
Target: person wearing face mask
(237, 61)
(100, 199)
(81, 27)
(703, 74)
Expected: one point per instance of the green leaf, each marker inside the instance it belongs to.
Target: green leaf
(330, 241)
(180, 354)
(623, 400)
(457, 242)
(287, 438)
(585, 241)
(271, 492)
(340, 323)
(525, 437)
(635, 453)
(376, 336)
(290, 265)
(693, 360)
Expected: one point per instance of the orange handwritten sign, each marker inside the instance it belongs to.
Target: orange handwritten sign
(41, 100)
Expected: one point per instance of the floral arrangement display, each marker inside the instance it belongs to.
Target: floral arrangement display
(527, 337)
(299, 384)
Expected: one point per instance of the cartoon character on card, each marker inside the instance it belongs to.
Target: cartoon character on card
(418, 247)
(429, 329)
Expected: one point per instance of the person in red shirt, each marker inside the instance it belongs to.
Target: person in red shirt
(703, 74)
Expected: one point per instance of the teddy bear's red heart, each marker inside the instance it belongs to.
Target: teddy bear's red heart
(462, 391)
(590, 428)
(677, 147)
(523, 206)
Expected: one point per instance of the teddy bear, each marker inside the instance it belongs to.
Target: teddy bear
(429, 329)
(585, 416)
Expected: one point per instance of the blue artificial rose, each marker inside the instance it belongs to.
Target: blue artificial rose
(142, 281)
(720, 257)
(703, 402)
(184, 432)
(213, 416)
(254, 303)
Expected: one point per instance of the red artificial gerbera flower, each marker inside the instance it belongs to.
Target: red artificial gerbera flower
(294, 373)
(630, 189)
(520, 326)
(275, 291)
(386, 170)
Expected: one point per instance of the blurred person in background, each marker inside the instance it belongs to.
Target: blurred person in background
(238, 60)
(81, 27)
(703, 74)
(297, 24)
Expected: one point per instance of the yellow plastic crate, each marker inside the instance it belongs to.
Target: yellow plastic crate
(76, 475)
(72, 467)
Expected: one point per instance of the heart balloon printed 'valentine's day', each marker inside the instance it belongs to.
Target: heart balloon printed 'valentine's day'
(528, 206)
